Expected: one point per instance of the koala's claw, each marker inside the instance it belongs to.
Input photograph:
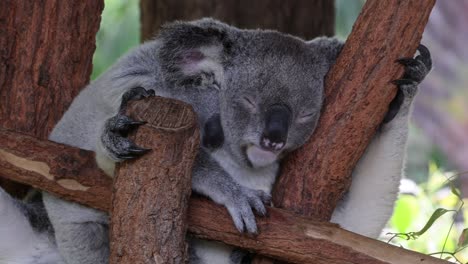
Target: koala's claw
(136, 93)
(123, 124)
(404, 82)
(240, 208)
(416, 70)
(116, 129)
(114, 138)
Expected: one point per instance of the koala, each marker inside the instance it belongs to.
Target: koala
(258, 95)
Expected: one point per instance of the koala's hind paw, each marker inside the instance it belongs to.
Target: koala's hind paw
(116, 129)
(240, 208)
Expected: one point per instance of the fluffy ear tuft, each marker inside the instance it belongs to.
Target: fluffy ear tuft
(195, 53)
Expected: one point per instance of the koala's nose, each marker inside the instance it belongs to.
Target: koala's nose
(275, 134)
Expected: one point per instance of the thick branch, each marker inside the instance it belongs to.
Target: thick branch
(54, 168)
(151, 194)
(68, 172)
(358, 92)
(45, 59)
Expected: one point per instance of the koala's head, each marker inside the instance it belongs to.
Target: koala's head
(271, 85)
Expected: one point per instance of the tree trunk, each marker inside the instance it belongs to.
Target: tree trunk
(151, 194)
(305, 18)
(282, 235)
(45, 59)
(358, 91)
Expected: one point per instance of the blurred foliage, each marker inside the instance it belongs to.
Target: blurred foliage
(119, 31)
(346, 13)
(430, 217)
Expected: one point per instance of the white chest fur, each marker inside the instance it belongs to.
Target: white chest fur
(254, 178)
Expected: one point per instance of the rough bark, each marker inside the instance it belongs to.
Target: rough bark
(358, 92)
(70, 173)
(303, 18)
(45, 59)
(151, 194)
(282, 235)
(296, 239)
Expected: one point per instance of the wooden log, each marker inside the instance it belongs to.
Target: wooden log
(151, 193)
(283, 235)
(70, 173)
(358, 92)
(45, 59)
(305, 18)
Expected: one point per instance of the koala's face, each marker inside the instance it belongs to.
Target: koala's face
(271, 84)
(271, 99)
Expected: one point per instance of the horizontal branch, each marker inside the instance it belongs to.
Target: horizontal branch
(72, 174)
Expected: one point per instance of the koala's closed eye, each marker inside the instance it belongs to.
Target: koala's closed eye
(306, 116)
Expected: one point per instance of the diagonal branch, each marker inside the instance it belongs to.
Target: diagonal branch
(358, 92)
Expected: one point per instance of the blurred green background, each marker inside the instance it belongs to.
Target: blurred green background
(437, 139)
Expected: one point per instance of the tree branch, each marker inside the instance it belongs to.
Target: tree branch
(151, 194)
(284, 236)
(35, 38)
(358, 92)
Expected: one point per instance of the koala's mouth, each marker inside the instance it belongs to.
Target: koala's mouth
(260, 157)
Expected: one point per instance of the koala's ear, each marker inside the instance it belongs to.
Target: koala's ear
(195, 53)
(330, 48)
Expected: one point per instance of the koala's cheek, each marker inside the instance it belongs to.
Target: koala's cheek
(259, 157)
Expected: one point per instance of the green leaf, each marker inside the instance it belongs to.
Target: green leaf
(463, 240)
(437, 213)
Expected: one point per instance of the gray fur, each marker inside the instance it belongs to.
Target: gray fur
(236, 74)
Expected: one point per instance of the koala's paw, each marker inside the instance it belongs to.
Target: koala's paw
(133, 94)
(416, 70)
(116, 129)
(240, 208)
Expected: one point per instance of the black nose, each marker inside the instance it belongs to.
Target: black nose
(277, 120)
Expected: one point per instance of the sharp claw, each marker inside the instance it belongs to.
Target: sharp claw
(138, 150)
(424, 51)
(425, 56)
(261, 211)
(240, 227)
(406, 61)
(136, 123)
(253, 231)
(126, 157)
(400, 82)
